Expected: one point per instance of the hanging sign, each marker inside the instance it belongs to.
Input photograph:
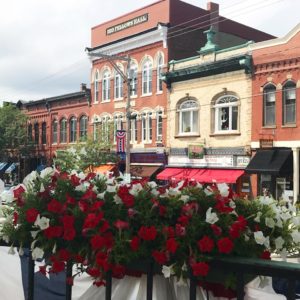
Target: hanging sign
(120, 139)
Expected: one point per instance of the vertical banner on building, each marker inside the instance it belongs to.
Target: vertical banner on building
(121, 140)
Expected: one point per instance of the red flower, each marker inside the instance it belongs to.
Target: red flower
(184, 220)
(121, 224)
(266, 255)
(162, 210)
(97, 242)
(75, 180)
(15, 218)
(89, 195)
(147, 233)
(95, 206)
(83, 206)
(94, 272)
(169, 231)
(69, 234)
(18, 192)
(57, 266)
(55, 206)
(127, 199)
(206, 244)
(64, 255)
(160, 257)
(70, 200)
(43, 270)
(172, 245)
(53, 232)
(118, 271)
(135, 243)
(31, 215)
(104, 227)
(225, 245)
(200, 269)
(180, 230)
(222, 206)
(92, 220)
(216, 229)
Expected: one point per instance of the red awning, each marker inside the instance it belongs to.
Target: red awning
(201, 175)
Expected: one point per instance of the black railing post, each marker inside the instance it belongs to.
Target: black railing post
(108, 285)
(30, 295)
(240, 286)
(68, 282)
(291, 292)
(193, 287)
(150, 281)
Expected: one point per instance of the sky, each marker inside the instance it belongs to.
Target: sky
(42, 43)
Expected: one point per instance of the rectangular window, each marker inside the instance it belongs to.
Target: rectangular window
(269, 108)
(289, 110)
(54, 132)
(44, 133)
(159, 126)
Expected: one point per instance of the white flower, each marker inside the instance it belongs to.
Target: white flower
(136, 188)
(296, 236)
(117, 199)
(37, 253)
(184, 267)
(42, 188)
(72, 150)
(54, 248)
(283, 254)
(111, 189)
(279, 223)
(167, 271)
(173, 191)
(208, 191)
(184, 198)
(259, 237)
(181, 281)
(42, 222)
(296, 221)
(7, 196)
(152, 184)
(211, 218)
(285, 216)
(270, 222)
(101, 195)
(28, 180)
(110, 180)
(83, 151)
(82, 187)
(246, 237)
(154, 192)
(257, 218)
(267, 242)
(11, 250)
(47, 172)
(232, 204)
(21, 251)
(223, 189)
(34, 233)
(279, 243)
(265, 200)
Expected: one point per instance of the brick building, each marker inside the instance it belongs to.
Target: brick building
(152, 36)
(276, 116)
(53, 124)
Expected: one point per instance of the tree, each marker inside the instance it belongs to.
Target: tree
(13, 132)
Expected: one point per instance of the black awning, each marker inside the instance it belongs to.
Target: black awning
(272, 161)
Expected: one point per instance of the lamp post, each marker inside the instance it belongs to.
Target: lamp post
(127, 78)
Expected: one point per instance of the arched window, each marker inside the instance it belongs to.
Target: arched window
(96, 87)
(188, 117)
(36, 133)
(29, 132)
(226, 113)
(133, 75)
(147, 127)
(118, 125)
(133, 128)
(160, 64)
(96, 130)
(118, 86)
(106, 86)
(73, 130)
(63, 131)
(44, 133)
(105, 129)
(54, 132)
(159, 126)
(83, 122)
(289, 103)
(269, 105)
(147, 77)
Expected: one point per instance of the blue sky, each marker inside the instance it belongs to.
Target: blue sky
(42, 42)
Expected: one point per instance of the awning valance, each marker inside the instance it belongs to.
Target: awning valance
(272, 161)
(3, 166)
(201, 175)
(142, 170)
(11, 168)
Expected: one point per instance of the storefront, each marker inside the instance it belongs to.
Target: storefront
(274, 169)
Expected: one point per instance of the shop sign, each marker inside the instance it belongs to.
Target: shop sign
(127, 24)
(266, 143)
(206, 161)
(195, 151)
(242, 161)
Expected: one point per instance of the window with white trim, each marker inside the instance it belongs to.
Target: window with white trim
(147, 127)
(160, 63)
(96, 88)
(188, 117)
(118, 86)
(96, 130)
(133, 128)
(147, 77)
(73, 130)
(159, 126)
(63, 131)
(106, 86)
(118, 125)
(83, 123)
(226, 113)
(289, 103)
(54, 131)
(133, 79)
(269, 105)
(105, 126)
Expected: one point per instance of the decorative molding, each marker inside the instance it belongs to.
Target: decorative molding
(160, 34)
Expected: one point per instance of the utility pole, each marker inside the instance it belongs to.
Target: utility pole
(127, 78)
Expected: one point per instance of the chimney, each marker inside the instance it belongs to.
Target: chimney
(83, 87)
(213, 8)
